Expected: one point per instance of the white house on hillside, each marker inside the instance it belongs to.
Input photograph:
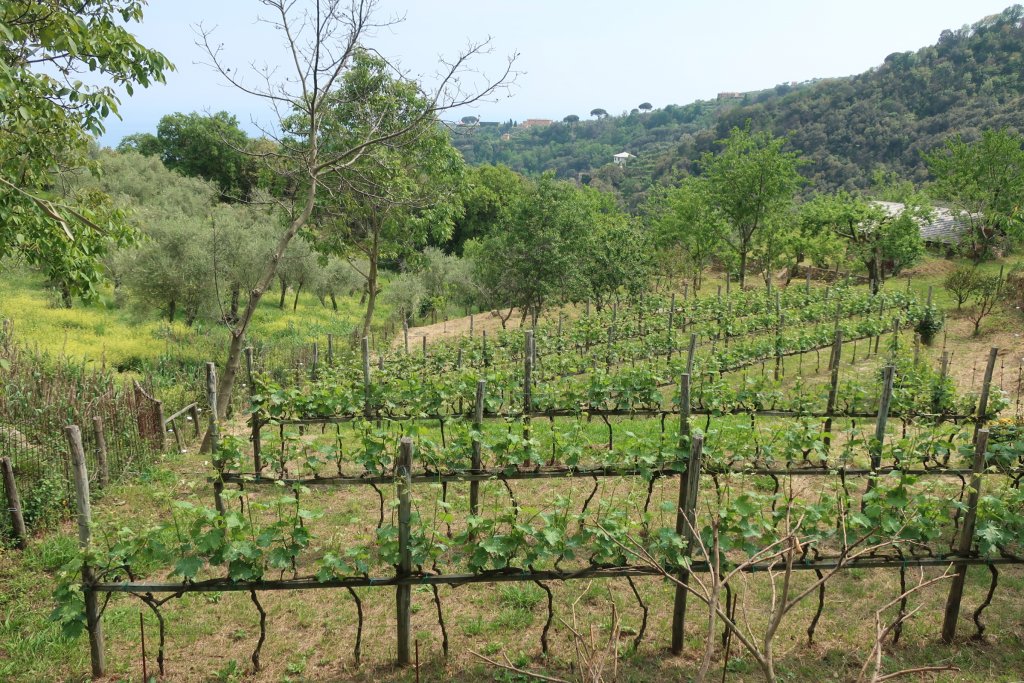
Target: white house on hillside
(622, 157)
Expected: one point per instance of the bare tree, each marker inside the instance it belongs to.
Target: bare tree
(873, 662)
(776, 560)
(321, 37)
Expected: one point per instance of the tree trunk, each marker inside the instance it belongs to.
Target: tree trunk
(334, 302)
(237, 343)
(371, 290)
(743, 266)
(873, 280)
(284, 290)
(172, 308)
(65, 295)
(236, 294)
(298, 290)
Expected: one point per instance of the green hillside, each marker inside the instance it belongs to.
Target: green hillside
(972, 78)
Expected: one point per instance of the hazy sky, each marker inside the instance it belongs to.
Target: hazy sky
(575, 55)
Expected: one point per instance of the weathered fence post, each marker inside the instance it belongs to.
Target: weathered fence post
(162, 429)
(689, 484)
(679, 608)
(690, 352)
(833, 389)
(470, 324)
(330, 350)
(84, 509)
(986, 387)
(478, 425)
(211, 398)
(405, 335)
(101, 451)
(248, 369)
(527, 382)
(193, 412)
(403, 592)
(14, 504)
(367, 390)
(316, 361)
(671, 315)
(956, 590)
(883, 419)
(778, 334)
(483, 346)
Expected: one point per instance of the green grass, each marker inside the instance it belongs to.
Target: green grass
(129, 339)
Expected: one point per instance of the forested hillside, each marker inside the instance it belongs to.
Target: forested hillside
(846, 128)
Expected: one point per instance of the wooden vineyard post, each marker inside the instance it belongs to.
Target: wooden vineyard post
(193, 412)
(248, 369)
(211, 398)
(944, 367)
(405, 335)
(688, 514)
(84, 509)
(330, 350)
(986, 387)
(101, 450)
(690, 353)
(833, 389)
(671, 315)
(527, 382)
(778, 334)
(611, 340)
(14, 505)
(679, 608)
(367, 390)
(470, 324)
(316, 362)
(881, 317)
(424, 349)
(883, 419)
(403, 593)
(483, 346)
(478, 424)
(956, 590)
(161, 439)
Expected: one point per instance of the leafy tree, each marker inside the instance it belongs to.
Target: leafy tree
(612, 252)
(986, 295)
(571, 118)
(337, 277)
(145, 144)
(686, 227)
(598, 113)
(984, 183)
(321, 38)
(394, 199)
(872, 234)
(209, 146)
(469, 120)
(485, 193)
(961, 284)
(645, 106)
(48, 116)
(557, 241)
(750, 182)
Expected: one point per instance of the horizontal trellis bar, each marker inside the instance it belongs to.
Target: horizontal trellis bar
(651, 413)
(568, 473)
(227, 585)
